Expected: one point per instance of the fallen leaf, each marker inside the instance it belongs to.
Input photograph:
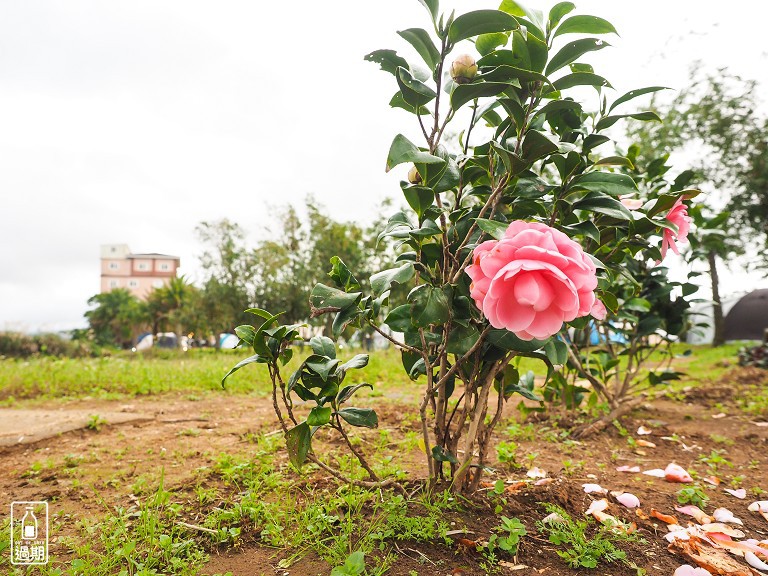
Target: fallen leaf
(467, 543)
(719, 415)
(721, 528)
(708, 557)
(666, 518)
(640, 514)
(645, 443)
(761, 424)
(696, 512)
(714, 480)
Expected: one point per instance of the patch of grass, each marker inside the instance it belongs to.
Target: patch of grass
(581, 550)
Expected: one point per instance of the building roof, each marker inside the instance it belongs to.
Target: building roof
(154, 256)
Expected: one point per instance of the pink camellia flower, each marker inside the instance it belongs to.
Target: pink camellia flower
(678, 215)
(533, 280)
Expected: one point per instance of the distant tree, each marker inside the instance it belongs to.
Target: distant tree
(166, 306)
(228, 267)
(118, 317)
(714, 122)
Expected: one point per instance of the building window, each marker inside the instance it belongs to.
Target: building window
(114, 266)
(165, 267)
(157, 283)
(114, 283)
(133, 283)
(143, 266)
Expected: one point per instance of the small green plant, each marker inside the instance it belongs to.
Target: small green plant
(507, 453)
(353, 565)
(693, 495)
(570, 468)
(715, 460)
(581, 550)
(95, 422)
(506, 536)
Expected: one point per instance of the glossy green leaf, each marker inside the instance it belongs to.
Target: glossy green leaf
(321, 365)
(602, 204)
(612, 183)
(519, 9)
(323, 346)
(583, 24)
(422, 43)
(298, 440)
(403, 150)
(580, 79)
(429, 305)
(573, 51)
(323, 297)
(398, 101)
(344, 318)
(399, 318)
(487, 43)
(348, 391)
(557, 12)
(608, 121)
(461, 339)
(387, 59)
(355, 363)
(557, 352)
(536, 145)
(246, 333)
(419, 198)
(432, 7)
(414, 92)
(319, 416)
(634, 94)
(508, 341)
(622, 161)
(480, 22)
(250, 360)
(463, 93)
(382, 281)
(364, 417)
(341, 275)
(494, 228)
(442, 455)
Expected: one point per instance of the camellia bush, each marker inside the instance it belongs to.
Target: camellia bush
(515, 231)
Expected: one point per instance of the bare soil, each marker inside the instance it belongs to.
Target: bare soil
(187, 433)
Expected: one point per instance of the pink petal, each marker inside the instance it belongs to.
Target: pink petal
(597, 506)
(536, 472)
(740, 493)
(626, 468)
(591, 488)
(676, 473)
(688, 570)
(628, 500)
(598, 311)
(656, 473)
(643, 431)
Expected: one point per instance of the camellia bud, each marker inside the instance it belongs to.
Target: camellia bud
(413, 176)
(463, 69)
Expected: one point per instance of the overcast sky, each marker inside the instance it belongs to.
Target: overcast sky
(132, 121)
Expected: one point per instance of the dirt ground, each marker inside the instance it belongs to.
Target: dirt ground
(187, 433)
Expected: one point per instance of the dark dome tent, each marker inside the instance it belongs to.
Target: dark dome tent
(748, 319)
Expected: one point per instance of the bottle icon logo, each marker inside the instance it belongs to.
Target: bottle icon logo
(29, 524)
(29, 533)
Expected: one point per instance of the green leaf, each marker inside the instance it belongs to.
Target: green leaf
(518, 9)
(558, 11)
(634, 94)
(326, 297)
(348, 391)
(536, 145)
(508, 341)
(355, 562)
(319, 416)
(364, 417)
(414, 92)
(612, 183)
(442, 455)
(487, 43)
(422, 43)
(382, 281)
(580, 79)
(298, 440)
(403, 150)
(461, 339)
(323, 346)
(572, 51)
(622, 161)
(463, 93)
(387, 59)
(250, 360)
(432, 7)
(399, 318)
(584, 24)
(419, 198)
(557, 352)
(355, 363)
(246, 333)
(398, 101)
(480, 22)
(494, 228)
(322, 366)
(344, 318)
(429, 305)
(341, 275)
(602, 204)
(608, 121)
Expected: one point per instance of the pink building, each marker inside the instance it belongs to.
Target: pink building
(139, 273)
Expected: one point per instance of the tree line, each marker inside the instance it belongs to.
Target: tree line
(276, 273)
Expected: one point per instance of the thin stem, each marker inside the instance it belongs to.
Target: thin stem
(355, 451)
